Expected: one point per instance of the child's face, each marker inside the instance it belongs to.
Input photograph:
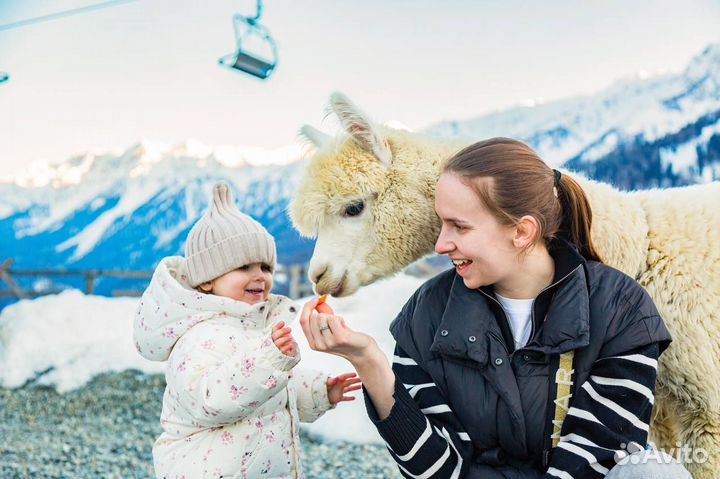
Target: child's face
(250, 283)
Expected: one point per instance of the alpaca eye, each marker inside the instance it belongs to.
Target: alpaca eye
(355, 208)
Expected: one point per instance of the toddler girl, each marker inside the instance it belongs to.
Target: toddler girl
(233, 398)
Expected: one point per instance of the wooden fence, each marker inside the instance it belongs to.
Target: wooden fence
(298, 284)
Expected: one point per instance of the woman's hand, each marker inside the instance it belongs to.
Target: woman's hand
(339, 386)
(330, 334)
(282, 337)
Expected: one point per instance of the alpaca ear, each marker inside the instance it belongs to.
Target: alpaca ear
(314, 136)
(360, 128)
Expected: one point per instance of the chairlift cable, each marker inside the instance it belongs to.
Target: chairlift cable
(64, 13)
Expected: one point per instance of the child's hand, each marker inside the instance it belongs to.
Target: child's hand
(338, 386)
(283, 340)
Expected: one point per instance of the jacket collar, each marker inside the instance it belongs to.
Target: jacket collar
(468, 322)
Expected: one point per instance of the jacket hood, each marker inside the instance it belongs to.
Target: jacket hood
(169, 307)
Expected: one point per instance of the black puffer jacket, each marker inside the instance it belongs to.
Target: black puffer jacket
(467, 405)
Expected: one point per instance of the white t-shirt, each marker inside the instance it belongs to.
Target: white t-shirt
(519, 312)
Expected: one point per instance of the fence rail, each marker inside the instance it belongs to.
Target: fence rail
(298, 285)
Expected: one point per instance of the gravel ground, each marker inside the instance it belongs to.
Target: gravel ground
(106, 430)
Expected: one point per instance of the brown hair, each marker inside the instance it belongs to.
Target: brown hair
(520, 183)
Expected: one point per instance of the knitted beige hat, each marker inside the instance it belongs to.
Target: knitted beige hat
(225, 239)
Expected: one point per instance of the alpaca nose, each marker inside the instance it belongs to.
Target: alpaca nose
(316, 276)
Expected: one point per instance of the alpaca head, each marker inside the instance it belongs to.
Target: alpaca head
(367, 197)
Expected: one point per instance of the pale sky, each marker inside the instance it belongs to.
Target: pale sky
(148, 69)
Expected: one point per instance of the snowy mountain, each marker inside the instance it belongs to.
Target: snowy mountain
(639, 133)
(128, 209)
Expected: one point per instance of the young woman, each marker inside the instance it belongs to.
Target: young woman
(531, 358)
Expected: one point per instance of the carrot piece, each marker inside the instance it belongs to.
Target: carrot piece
(322, 306)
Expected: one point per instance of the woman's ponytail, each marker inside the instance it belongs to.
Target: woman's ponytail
(576, 216)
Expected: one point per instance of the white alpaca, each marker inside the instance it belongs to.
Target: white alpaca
(368, 197)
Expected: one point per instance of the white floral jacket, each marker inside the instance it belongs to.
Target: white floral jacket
(233, 401)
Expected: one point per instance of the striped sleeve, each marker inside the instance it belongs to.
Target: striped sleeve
(609, 415)
(422, 433)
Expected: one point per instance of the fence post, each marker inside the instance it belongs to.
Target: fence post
(90, 282)
(294, 283)
(5, 276)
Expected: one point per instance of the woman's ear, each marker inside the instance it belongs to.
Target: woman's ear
(206, 287)
(526, 232)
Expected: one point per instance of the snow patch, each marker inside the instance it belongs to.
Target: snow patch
(64, 340)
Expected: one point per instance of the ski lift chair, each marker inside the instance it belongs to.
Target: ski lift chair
(256, 52)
